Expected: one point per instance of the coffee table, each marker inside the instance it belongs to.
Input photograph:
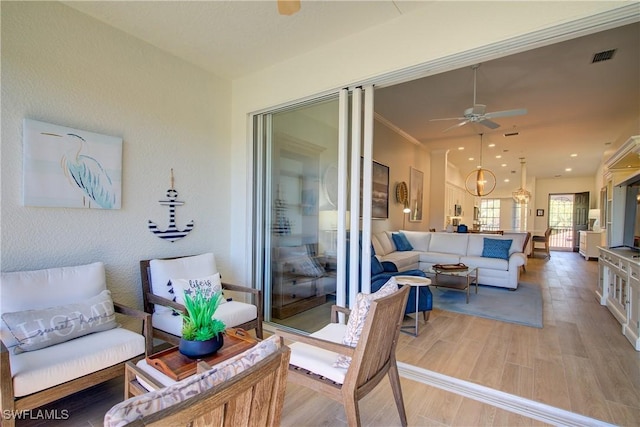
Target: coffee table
(168, 366)
(449, 279)
(415, 281)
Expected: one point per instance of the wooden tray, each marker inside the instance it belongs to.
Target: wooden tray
(178, 366)
(450, 267)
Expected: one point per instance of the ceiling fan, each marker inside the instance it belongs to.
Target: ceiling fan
(478, 114)
(288, 7)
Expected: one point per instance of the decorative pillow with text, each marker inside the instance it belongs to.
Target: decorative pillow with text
(36, 329)
(209, 285)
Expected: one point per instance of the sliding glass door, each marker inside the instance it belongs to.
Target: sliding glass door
(302, 162)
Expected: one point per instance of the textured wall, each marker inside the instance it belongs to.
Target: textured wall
(62, 67)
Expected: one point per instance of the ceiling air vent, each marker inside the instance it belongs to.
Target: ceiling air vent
(605, 55)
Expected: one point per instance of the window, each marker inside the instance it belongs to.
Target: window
(490, 214)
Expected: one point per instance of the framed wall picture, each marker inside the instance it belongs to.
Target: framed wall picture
(540, 212)
(379, 190)
(416, 183)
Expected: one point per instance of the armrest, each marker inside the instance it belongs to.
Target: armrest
(389, 267)
(317, 342)
(335, 310)
(6, 388)
(155, 299)
(147, 327)
(239, 288)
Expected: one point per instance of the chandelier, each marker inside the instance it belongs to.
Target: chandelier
(522, 196)
(480, 182)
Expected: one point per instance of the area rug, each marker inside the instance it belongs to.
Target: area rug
(522, 306)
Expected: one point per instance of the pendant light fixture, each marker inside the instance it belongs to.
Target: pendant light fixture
(480, 182)
(522, 196)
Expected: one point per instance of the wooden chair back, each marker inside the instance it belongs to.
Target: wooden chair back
(376, 348)
(254, 397)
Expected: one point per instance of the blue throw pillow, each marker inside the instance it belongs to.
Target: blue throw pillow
(401, 242)
(496, 248)
(376, 266)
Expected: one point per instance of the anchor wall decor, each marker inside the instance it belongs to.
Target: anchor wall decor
(172, 233)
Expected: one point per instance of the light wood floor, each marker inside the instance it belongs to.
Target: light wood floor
(579, 362)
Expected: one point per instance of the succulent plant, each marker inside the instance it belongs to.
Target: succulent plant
(198, 323)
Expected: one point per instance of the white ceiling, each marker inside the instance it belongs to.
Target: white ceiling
(574, 107)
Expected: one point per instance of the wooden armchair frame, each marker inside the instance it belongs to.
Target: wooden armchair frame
(11, 403)
(149, 299)
(372, 358)
(254, 397)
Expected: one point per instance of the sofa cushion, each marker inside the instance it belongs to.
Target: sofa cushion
(386, 243)
(497, 264)
(163, 270)
(439, 258)
(449, 243)
(401, 242)
(34, 371)
(376, 245)
(358, 317)
(418, 239)
(36, 329)
(403, 260)
(232, 313)
(154, 401)
(496, 248)
(29, 290)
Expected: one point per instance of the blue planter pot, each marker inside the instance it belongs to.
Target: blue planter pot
(199, 349)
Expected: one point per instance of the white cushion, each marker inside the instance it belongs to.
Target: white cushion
(449, 243)
(377, 246)
(318, 360)
(403, 260)
(232, 313)
(33, 371)
(419, 239)
(439, 258)
(38, 289)
(386, 243)
(484, 262)
(163, 270)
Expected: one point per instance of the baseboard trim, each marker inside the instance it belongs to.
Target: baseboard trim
(509, 402)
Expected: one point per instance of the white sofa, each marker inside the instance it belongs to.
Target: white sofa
(431, 248)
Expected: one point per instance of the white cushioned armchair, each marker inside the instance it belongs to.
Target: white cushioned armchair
(160, 291)
(60, 335)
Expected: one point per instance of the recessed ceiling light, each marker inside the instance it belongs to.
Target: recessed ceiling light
(504, 165)
(471, 158)
(460, 148)
(498, 156)
(574, 155)
(567, 170)
(491, 145)
(506, 180)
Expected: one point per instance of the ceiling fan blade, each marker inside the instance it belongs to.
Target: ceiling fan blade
(462, 123)
(506, 113)
(489, 124)
(447, 118)
(288, 7)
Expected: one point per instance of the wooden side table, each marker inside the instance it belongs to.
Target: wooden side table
(415, 281)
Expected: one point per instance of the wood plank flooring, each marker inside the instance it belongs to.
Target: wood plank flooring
(579, 361)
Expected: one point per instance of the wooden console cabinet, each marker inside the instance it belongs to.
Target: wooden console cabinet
(619, 289)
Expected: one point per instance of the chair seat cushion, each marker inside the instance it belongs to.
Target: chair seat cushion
(317, 360)
(37, 370)
(232, 313)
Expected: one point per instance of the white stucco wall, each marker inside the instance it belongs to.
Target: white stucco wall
(63, 67)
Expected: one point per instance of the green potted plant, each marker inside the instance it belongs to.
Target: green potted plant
(202, 334)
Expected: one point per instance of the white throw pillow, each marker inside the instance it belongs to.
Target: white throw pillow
(358, 317)
(208, 284)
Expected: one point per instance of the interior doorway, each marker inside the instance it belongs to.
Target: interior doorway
(568, 214)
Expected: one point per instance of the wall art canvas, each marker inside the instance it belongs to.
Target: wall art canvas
(379, 190)
(415, 195)
(71, 168)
